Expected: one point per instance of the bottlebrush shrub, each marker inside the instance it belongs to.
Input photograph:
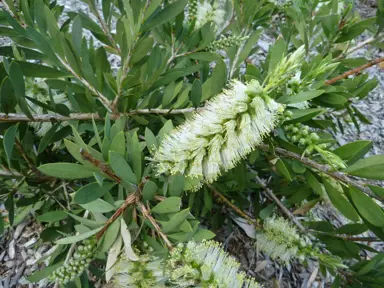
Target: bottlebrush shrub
(122, 130)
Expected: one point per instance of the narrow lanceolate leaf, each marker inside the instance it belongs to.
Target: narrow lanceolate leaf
(149, 190)
(9, 142)
(175, 221)
(169, 205)
(78, 238)
(16, 76)
(170, 11)
(40, 71)
(370, 168)
(121, 167)
(110, 235)
(127, 239)
(66, 170)
(367, 207)
(335, 194)
(352, 152)
(7, 96)
(91, 192)
(112, 258)
(44, 273)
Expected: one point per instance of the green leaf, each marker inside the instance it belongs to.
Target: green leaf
(204, 56)
(367, 207)
(98, 206)
(151, 140)
(337, 198)
(87, 222)
(302, 115)
(282, 169)
(52, 216)
(176, 185)
(110, 235)
(78, 238)
(141, 49)
(169, 205)
(91, 192)
(379, 191)
(16, 76)
(121, 167)
(370, 168)
(40, 71)
(170, 11)
(134, 150)
(118, 144)
(149, 190)
(196, 92)
(351, 152)
(7, 96)
(9, 141)
(301, 97)
(313, 182)
(46, 140)
(66, 170)
(44, 273)
(203, 234)
(175, 221)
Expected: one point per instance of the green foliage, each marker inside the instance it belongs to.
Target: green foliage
(92, 152)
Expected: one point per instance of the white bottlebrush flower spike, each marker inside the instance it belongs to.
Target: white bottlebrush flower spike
(206, 12)
(193, 264)
(280, 240)
(219, 136)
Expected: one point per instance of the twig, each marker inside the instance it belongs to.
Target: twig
(147, 215)
(13, 117)
(323, 168)
(281, 205)
(132, 198)
(233, 207)
(357, 47)
(104, 27)
(104, 168)
(354, 71)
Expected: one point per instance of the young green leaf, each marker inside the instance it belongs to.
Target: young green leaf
(169, 205)
(9, 141)
(121, 167)
(367, 207)
(78, 238)
(351, 152)
(175, 221)
(340, 201)
(66, 170)
(370, 168)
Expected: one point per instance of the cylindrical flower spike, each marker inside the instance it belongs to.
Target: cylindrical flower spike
(193, 264)
(215, 139)
(280, 240)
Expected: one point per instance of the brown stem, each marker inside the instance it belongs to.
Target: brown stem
(354, 71)
(288, 213)
(222, 198)
(104, 168)
(323, 168)
(132, 198)
(13, 117)
(147, 215)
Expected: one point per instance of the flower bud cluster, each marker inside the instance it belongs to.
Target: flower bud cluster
(281, 241)
(192, 9)
(225, 42)
(76, 264)
(302, 136)
(193, 264)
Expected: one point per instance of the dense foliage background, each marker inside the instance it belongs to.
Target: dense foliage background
(80, 136)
